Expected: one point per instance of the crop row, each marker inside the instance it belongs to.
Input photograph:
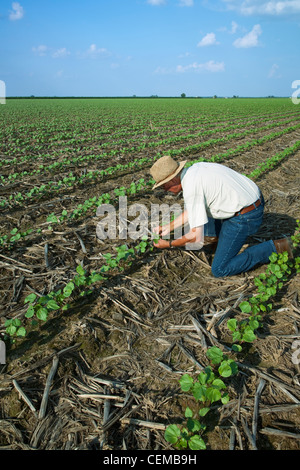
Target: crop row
(20, 141)
(73, 180)
(210, 387)
(41, 307)
(62, 164)
(81, 210)
(34, 151)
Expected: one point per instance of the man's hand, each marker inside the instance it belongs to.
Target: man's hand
(193, 240)
(162, 244)
(162, 230)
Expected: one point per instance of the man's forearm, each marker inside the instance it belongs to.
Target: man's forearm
(182, 219)
(191, 237)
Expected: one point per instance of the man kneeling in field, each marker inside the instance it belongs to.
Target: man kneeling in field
(222, 207)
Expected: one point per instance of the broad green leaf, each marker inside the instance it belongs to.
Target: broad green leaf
(21, 331)
(70, 285)
(203, 411)
(42, 314)
(11, 330)
(80, 280)
(215, 354)
(248, 336)
(80, 270)
(245, 307)
(236, 336)
(199, 392)
(213, 394)
(273, 257)
(30, 298)
(232, 324)
(193, 425)
(236, 347)
(254, 323)
(206, 376)
(188, 412)
(196, 443)
(218, 383)
(186, 382)
(172, 433)
(228, 368)
(225, 398)
(225, 369)
(52, 305)
(30, 312)
(68, 289)
(182, 443)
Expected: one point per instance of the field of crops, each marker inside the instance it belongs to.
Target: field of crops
(99, 332)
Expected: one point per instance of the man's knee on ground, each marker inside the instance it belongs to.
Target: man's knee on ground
(218, 272)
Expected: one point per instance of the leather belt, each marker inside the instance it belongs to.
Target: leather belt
(249, 208)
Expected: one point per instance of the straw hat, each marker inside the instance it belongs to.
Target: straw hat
(165, 169)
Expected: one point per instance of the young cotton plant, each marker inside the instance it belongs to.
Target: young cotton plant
(39, 308)
(208, 388)
(268, 285)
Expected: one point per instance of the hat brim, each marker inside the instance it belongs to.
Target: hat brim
(179, 168)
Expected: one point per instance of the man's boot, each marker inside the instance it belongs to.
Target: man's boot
(282, 245)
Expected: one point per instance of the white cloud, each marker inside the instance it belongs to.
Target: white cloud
(43, 50)
(208, 40)
(271, 8)
(17, 13)
(250, 39)
(40, 50)
(156, 2)
(234, 27)
(59, 74)
(95, 52)
(163, 71)
(210, 66)
(186, 54)
(63, 52)
(182, 3)
(186, 3)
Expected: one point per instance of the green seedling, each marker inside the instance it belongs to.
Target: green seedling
(208, 388)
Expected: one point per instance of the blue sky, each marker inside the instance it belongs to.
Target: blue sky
(149, 47)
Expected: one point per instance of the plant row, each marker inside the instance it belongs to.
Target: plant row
(8, 241)
(63, 163)
(210, 387)
(72, 180)
(40, 136)
(124, 252)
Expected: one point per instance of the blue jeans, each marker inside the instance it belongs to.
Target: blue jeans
(233, 233)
